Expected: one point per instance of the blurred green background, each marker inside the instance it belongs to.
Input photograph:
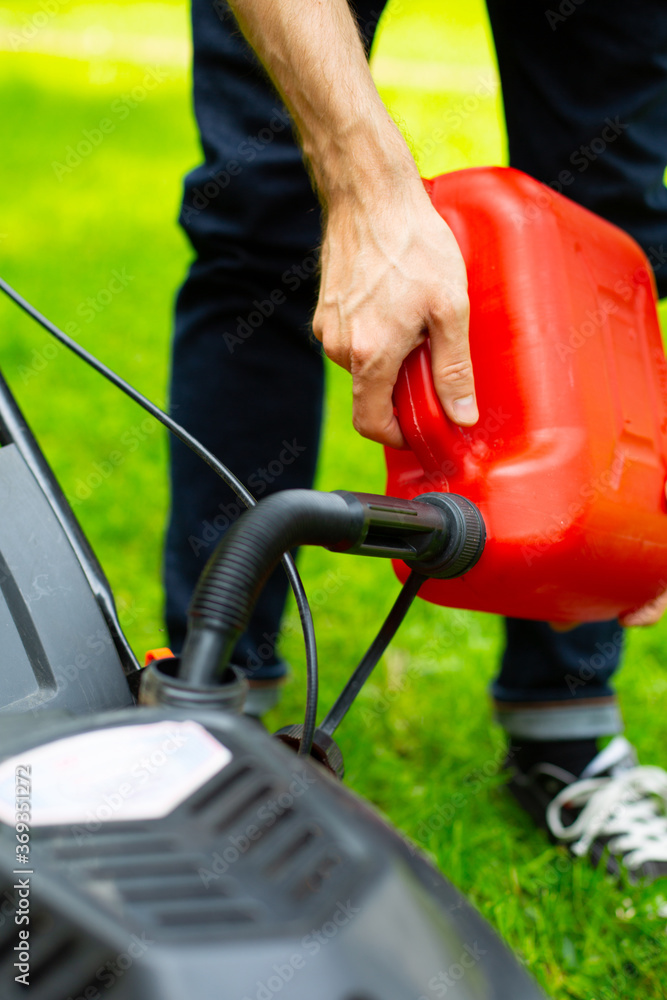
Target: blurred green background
(420, 742)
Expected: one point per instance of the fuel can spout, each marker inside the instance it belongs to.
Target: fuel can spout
(438, 534)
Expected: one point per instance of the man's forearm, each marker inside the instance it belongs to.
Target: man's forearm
(314, 55)
(392, 272)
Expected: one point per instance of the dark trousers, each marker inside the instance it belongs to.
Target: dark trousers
(586, 108)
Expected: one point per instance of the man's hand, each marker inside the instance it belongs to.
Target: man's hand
(392, 274)
(650, 614)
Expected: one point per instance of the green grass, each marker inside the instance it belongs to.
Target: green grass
(421, 732)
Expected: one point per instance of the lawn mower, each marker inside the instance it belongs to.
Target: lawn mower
(157, 843)
(154, 842)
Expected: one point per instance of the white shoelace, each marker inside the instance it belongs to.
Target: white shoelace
(630, 808)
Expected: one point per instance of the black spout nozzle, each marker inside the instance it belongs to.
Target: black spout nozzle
(438, 534)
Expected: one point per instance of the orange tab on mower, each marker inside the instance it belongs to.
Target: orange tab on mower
(157, 654)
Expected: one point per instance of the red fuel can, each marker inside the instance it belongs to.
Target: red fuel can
(569, 459)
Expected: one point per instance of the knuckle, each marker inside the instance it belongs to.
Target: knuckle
(453, 309)
(362, 358)
(318, 327)
(454, 375)
(331, 348)
(335, 354)
(324, 324)
(328, 336)
(361, 424)
(358, 424)
(461, 301)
